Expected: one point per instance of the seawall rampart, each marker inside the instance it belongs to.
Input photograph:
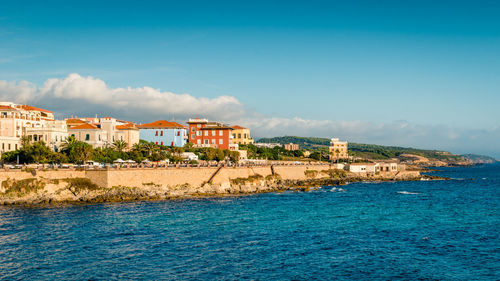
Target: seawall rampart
(38, 186)
(193, 176)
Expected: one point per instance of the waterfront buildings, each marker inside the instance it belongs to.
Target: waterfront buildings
(53, 133)
(37, 124)
(372, 168)
(338, 149)
(241, 135)
(103, 132)
(163, 132)
(90, 134)
(291, 146)
(203, 133)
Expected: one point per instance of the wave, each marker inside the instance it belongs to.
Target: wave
(408, 192)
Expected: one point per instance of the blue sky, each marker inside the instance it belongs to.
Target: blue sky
(373, 67)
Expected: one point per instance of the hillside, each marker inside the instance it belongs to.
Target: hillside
(372, 151)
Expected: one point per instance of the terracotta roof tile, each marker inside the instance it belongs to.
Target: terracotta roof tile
(237, 127)
(161, 124)
(32, 108)
(74, 120)
(84, 126)
(127, 126)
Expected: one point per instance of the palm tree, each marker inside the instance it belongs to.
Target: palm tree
(119, 145)
(148, 148)
(137, 147)
(68, 143)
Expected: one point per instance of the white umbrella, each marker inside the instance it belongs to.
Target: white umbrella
(130, 161)
(118, 161)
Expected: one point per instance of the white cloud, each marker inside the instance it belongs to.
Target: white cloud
(86, 96)
(87, 92)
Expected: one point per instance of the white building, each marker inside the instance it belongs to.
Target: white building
(102, 132)
(362, 167)
(189, 156)
(18, 120)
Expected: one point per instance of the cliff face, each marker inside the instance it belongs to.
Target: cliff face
(157, 184)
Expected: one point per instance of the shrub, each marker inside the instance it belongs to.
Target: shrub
(335, 173)
(76, 185)
(22, 187)
(311, 173)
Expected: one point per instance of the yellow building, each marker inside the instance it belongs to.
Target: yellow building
(338, 149)
(241, 135)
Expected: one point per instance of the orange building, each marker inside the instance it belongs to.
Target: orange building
(203, 133)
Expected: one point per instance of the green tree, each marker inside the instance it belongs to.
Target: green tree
(234, 156)
(80, 152)
(119, 145)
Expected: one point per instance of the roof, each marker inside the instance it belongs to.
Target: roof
(6, 107)
(84, 126)
(127, 126)
(32, 108)
(161, 124)
(363, 164)
(74, 120)
(237, 127)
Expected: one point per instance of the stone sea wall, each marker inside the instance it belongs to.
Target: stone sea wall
(37, 186)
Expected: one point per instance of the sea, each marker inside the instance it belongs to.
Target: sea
(418, 230)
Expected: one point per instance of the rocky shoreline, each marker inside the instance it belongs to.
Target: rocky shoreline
(33, 192)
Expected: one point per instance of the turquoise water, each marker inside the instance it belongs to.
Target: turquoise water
(446, 230)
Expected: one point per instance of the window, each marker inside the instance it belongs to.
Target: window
(178, 133)
(198, 142)
(99, 137)
(199, 125)
(221, 141)
(161, 133)
(192, 129)
(206, 133)
(156, 133)
(87, 137)
(161, 143)
(198, 133)
(221, 133)
(16, 146)
(192, 136)
(245, 136)
(3, 146)
(213, 141)
(234, 136)
(206, 142)
(239, 136)
(213, 132)
(73, 135)
(9, 146)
